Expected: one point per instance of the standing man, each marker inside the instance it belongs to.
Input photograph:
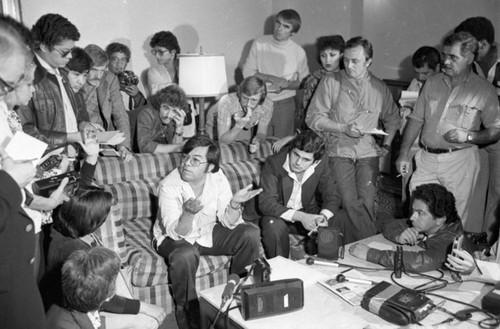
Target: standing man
(487, 65)
(104, 101)
(299, 194)
(346, 108)
(119, 57)
(199, 215)
(52, 115)
(450, 112)
(20, 302)
(282, 65)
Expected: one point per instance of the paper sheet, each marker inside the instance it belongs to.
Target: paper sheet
(375, 131)
(23, 147)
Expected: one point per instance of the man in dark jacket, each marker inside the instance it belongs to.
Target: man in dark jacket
(53, 115)
(299, 194)
(434, 225)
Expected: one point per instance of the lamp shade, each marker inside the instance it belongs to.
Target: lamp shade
(202, 75)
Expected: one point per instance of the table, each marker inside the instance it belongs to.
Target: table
(323, 309)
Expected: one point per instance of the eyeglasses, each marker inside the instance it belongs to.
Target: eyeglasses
(65, 53)
(195, 162)
(6, 87)
(159, 52)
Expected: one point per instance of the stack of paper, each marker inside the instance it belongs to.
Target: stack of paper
(110, 137)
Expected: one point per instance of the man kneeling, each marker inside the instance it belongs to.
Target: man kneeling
(199, 215)
(434, 225)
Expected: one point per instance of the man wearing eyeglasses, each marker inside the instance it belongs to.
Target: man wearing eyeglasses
(199, 215)
(53, 115)
(456, 111)
(18, 287)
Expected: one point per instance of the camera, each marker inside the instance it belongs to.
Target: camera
(261, 271)
(128, 78)
(45, 187)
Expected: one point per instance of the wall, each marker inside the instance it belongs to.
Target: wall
(396, 27)
(399, 27)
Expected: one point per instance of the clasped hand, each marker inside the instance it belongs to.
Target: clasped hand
(455, 136)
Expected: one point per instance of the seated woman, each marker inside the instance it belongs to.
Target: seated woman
(75, 222)
(160, 125)
(329, 50)
(88, 280)
(243, 115)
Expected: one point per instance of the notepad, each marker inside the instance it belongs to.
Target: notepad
(23, 147)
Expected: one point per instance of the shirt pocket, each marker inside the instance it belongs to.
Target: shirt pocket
(464, 116)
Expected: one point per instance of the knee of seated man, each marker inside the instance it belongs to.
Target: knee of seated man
(184, 254)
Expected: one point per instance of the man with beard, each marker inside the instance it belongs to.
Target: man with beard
(451, 111)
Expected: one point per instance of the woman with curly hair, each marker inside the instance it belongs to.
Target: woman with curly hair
(160, 125)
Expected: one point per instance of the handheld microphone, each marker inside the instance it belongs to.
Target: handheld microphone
(343, 278)
(311, 261)
(232, 281)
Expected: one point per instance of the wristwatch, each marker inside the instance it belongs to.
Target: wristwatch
(387, 147)
(469, 138)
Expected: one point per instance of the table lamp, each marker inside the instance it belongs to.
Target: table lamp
(202, 75)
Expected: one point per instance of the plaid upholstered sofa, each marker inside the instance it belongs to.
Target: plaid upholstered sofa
(128, 229)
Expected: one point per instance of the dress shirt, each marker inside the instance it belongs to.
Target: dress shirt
(295, 201)
(441, 108)
(363, 101)
(215, 198)
(229, 105)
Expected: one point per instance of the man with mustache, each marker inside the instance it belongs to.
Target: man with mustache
(451, 111)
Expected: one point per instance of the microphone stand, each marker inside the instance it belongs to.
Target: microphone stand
(225, 306)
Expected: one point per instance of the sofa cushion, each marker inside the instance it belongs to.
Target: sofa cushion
(238, 151)
(243, 173)
(112, 170)
(110, 233)
(149, 269)
(137, 199)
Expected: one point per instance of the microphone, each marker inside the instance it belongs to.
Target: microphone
(232, 281)
(343, 278)
(311, 261)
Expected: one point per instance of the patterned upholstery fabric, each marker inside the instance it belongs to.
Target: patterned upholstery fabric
(134, 186)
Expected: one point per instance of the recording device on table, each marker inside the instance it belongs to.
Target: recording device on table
(330, 243)
(397, 305)
(398, 262)
(45, 187)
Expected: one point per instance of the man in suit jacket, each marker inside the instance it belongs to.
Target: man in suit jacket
(299, 193)
(104, 101)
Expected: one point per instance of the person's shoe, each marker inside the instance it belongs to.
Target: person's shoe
(182, 318)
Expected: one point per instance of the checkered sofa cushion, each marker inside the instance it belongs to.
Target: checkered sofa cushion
(112, 170)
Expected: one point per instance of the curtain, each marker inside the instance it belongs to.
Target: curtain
(11, 8)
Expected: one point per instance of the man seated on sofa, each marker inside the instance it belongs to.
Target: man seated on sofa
(291, 182)
(104, 101)
(434, 225)
(199, 215)
(160, 124)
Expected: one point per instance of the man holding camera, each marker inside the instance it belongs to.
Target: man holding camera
(119, 57)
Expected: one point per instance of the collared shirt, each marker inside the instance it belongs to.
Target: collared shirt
(215, 198)
(95, 319)
(363, 101)
(69, 113)
(441, 108)
(295, 201)
(229, 105)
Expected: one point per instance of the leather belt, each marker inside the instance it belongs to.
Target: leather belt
(438, 151)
